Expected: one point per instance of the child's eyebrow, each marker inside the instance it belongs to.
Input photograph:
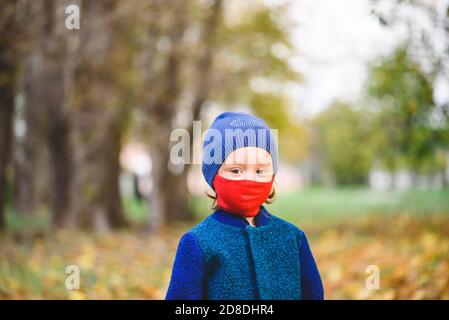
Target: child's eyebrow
(230, 164)
(264, 163)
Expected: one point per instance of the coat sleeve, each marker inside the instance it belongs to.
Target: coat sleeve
(311, 285)
(186, 282)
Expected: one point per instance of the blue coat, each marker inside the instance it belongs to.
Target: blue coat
(225, 258)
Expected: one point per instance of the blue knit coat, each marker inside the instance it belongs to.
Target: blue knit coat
(225, 258)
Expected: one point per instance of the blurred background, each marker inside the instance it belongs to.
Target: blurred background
(357, 89)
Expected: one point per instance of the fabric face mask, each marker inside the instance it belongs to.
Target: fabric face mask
(242, 197)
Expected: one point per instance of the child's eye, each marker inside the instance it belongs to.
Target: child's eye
(261, 171)
(236, 171)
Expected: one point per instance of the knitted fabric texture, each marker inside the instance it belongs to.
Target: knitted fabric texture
(224, 257)
(231, 131)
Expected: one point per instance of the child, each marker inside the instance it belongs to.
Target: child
(241, 251)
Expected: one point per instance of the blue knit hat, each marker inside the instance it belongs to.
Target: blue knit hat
(231, 131)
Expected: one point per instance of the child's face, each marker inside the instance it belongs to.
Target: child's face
(249, 163)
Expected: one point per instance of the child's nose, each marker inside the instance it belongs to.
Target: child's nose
(251, 175)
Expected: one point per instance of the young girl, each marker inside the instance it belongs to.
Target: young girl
(241, 251)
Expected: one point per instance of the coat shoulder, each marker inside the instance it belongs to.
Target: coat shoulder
(203, 227)
(288, 225)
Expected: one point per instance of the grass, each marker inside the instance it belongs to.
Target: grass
(136, 211)
(37, 221)
(313, 204)
(328, 203)
(307, 205)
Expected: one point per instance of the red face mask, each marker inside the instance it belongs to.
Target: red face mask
(242, 197)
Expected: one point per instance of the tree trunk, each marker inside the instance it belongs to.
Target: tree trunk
(96, 196)
(9, 62)
(31, 172)
(58, 141)
(56, 68)
(98, 125)
(169, 199)
(7, 90)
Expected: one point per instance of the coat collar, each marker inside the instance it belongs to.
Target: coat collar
(262, 218)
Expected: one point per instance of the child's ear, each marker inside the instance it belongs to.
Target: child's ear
(272, 195)
(212, 195)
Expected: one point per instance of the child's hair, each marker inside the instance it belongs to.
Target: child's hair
(269, 200)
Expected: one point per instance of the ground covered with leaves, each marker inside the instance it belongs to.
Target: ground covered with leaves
(410, 251)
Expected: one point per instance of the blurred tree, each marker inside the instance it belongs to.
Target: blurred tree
(207, 54)
(427, 39)
(103, 93)
(32, 172)
(276, 110)
(10, 42)
(344, 136)
(406, 135)
(167, 60)
(253, 69)
(163, 84)
(52, 84)
(57, 70)
(428, 33)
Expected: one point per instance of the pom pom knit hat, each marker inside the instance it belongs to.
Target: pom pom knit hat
(231, 131)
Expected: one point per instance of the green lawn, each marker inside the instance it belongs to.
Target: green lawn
(318, 203)
(307, 205)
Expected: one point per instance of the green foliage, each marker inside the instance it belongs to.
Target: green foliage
(397, 132)
(254, 47)
(246, 51)
(403, 92)
(135, 210)
(274, 109)
(345, 140)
